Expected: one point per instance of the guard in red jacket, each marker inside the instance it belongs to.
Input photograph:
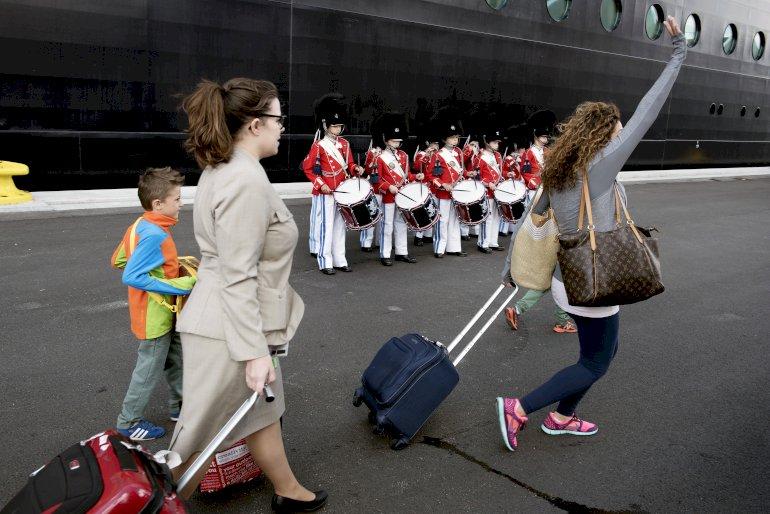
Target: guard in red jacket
(490, 164)
(471, 155)
(542, 125)
(328, 163)
(517, 139)
(446, 167)
(393, 170)
(421, 171)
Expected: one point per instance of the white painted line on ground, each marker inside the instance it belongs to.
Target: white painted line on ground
(100, 199)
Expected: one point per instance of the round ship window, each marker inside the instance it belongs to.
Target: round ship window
(558, 9)
(653, 23)
(610, 14)
(729, 39)
(497, 4)
(758, 46)
(692, 30)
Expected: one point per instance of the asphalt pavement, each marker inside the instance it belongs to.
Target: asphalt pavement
(683, 412)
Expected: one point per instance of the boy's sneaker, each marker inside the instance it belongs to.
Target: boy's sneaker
(574, 426)
(510, 423)
(565, 328)
(143, 430)
(512, 317)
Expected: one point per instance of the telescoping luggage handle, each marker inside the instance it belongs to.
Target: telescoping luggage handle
(484, 328)
(205, 456)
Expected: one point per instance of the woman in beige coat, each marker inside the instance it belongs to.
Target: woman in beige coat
(242, 312)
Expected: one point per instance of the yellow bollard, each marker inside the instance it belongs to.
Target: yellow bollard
(8, 192)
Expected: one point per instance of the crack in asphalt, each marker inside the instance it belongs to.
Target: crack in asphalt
(560, 503)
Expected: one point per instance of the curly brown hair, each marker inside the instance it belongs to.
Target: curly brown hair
(586, 132)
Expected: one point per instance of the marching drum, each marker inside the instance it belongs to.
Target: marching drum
(357, 204)
(510, 197)
(470, 201)
(417, 206)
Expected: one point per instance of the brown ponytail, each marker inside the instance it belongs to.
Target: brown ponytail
(216, 114)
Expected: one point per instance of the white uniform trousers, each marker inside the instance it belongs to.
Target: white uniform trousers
(502, 227)
(312, 241)
(391, 223)
(329, 233)
(489, 229)
(369, 235)
(446, 236)
(424, 233)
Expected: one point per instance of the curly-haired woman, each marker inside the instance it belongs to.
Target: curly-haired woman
(592, 140)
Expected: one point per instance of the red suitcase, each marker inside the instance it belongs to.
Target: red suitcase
(106, 473)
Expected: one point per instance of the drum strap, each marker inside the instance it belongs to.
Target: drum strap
(490, 159)
(333, 151)
(451, 157)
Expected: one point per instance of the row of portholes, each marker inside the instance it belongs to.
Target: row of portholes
(611, 11)
(719, 109)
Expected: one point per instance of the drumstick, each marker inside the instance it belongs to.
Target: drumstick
(412, 199)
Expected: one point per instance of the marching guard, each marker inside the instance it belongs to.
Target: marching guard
(371, 170)
(517, 139)
(446, 170)
(392, 166)
(328, 163)
(541, 125)
(489, 163)
(421, 171)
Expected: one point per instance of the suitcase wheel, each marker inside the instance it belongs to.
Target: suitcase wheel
(378, 430)
(399, 444)
(357, 399)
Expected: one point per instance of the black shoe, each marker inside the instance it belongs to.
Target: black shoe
(418, 241)
(346, 269)
(474, 236)
(502, 234)
(457, 254)
(366, 249)
(464, 238)
(314, 255)
(427, 239)
(497, 248)
(438, 255)
(387, 262)
(484, 250)
(328, 271)
(281, 504)
(406, 258)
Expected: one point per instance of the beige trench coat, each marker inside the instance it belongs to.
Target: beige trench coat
(242, 306)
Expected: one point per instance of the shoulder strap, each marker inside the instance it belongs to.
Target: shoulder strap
(585, 200)
(629, 220)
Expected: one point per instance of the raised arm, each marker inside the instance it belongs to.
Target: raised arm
(612, 158)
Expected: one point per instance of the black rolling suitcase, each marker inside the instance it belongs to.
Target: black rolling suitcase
(411, 375)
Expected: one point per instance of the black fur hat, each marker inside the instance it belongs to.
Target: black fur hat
(446, 123)
(542, 123)
(518, 137)
(330, 109)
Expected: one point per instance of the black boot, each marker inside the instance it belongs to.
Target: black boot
(418, 241)
(406, 258)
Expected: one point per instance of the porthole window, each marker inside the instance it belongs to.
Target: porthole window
(729, 39)
(743, 110)
(610, 14)
(720, 109)
(653, 23)
(692, 30)
(713, 109)
(558, 9)
(497, 4)
(756, 113)
(758, 46)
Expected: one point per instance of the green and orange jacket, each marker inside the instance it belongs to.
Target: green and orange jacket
(147, 254)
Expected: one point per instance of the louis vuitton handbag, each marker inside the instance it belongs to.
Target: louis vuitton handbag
(534, 249)
(609, 268)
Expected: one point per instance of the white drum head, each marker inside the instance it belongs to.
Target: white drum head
(510, 191)
(412, 195)
(468, 191)
(352, 191)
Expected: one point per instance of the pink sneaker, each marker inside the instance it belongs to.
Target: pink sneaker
(510, 423)
(575, 426)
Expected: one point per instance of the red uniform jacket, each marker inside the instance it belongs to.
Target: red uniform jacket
(394, 171)
(511, 167)
(471, 158)
(449, 162)
(333, 163)
(490, 168)
(530, 169)
(420, 165)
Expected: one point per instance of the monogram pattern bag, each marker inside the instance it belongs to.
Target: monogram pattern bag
(609, 268)
(534, 250)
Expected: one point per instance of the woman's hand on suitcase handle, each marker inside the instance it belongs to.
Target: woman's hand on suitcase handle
(260, 372)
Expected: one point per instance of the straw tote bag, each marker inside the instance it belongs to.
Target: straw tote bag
(534, 249)
(618, 267)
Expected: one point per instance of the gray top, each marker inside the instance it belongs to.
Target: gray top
(605, 166)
